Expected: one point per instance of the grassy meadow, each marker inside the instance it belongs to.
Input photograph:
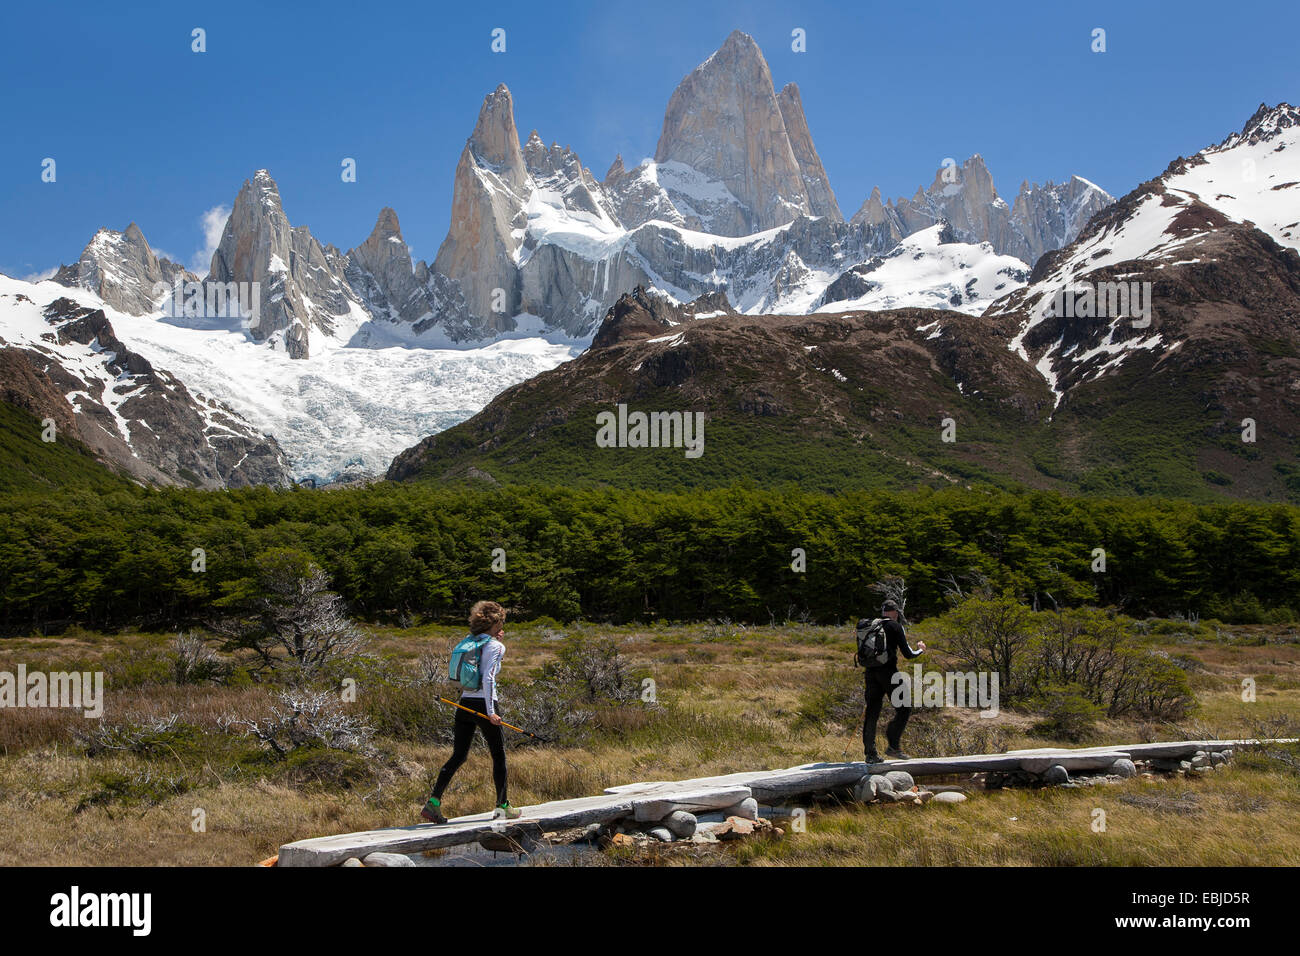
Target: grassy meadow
(201, 791)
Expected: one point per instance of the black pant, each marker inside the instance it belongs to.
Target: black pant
(879, 684)
(463, 730)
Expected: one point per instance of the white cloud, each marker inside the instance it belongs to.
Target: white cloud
(214, 224)
(41, 276)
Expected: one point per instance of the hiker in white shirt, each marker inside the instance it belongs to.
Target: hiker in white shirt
(485, 618)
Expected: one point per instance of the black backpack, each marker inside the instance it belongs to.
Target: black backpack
(873, 643)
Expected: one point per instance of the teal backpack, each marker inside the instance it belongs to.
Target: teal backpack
(467, 660)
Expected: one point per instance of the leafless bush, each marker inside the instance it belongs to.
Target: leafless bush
(134, 734)
(721, 629)
(544, 709)
(892, 587)
(194, 661)
(431, 671)
(592, 670)
(307, 719)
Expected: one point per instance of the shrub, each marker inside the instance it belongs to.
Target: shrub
(328, 768)
(933, 732)
(991, 634)
(287, 617)
(593, 670)
(1068, 714)
(410, 712)
(193, 662)
(142, 736)
(138, 667)
(146, 787)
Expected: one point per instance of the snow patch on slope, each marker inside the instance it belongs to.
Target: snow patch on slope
(342, 408)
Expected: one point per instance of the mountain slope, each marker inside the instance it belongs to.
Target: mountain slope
(66, 363)
(29, 463)
(829, 400)
(1171, 320)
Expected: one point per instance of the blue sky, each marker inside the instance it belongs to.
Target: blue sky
(144, 129)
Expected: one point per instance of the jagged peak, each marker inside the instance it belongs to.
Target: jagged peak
(739, 39)
(738, 44)
(495, 139)
(1265, 123)
(387, 225)
(261, 189)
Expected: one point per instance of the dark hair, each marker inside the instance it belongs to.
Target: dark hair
(890, 605)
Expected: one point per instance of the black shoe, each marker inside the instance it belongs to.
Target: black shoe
(873, 758)
(433, 814)
(896, 754)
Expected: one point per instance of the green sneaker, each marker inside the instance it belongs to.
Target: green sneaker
(506, 812)
(432, 812)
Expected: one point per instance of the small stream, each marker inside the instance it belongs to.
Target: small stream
(472, 854)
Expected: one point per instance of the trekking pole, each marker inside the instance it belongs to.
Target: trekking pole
(527, 733)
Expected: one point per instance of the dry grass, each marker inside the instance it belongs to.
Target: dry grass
(728, 700)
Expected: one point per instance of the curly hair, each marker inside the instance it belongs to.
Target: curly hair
(486, 617)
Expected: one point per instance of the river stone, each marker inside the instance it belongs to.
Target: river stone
(949, 796)
(882, 784)
(681, 823)
(352, 861)
(900, 780)
(1218, 759)
(865, 789)
(925, 796)
(662, 834)
(1056, 776)
(1124, 767)
(1201, 759)
(747, 808)
(388, 859)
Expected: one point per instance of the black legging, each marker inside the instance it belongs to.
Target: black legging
(879, 684)
(463, 729)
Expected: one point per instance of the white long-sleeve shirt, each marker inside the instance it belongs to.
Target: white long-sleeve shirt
(489, 664)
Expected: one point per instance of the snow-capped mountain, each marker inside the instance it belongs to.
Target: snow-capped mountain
(929, 269)
(1159, 353)
(121, 269)
(64, 362)
(726, 123)
(1043, 218)
(341, 411)
(1169, 231)
(735, 199)
(348, 357)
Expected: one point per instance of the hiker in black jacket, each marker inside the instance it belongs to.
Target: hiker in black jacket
(880, 682)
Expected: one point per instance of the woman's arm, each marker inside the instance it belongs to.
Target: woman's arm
(493, 653)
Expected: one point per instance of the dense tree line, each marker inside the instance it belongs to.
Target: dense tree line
(399, 552)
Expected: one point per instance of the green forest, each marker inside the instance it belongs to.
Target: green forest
(403, 553)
